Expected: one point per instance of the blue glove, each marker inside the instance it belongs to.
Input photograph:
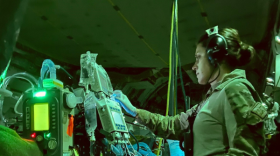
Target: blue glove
(124, 102)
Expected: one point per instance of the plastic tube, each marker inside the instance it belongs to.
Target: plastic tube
(6, 82)
(119, 147)
(18, 102)
(26, 75)
(48, 65)
(45, 76)
(135, 140)
(40, 83)
(2, 119)
(115, 150)
(144, 150)
(59, 67)
(20, 75)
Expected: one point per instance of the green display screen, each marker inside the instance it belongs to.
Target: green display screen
(40, 117)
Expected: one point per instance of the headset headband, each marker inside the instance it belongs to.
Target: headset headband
(212, 31)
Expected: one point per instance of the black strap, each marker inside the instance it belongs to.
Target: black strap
(251, 89)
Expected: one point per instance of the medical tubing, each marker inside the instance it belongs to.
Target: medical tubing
(6, 82)
(128, 150)
(47, 73)
(135, 140)
(25, 75)
(48, 65)
(119, 147)
(24, 78)
(18, 101)
(59, 67)
(2, 119)
(40, 83)
(20, 75)
(67, 73)
(115, 150)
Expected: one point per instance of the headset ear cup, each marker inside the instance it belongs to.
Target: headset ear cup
(216, 48)
(210, 57)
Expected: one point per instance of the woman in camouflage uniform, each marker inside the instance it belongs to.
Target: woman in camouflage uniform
(229, 121)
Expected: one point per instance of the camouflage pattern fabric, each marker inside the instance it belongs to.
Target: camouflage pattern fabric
(165, 126)
(249, 136)
(13, 145)
(228, 122)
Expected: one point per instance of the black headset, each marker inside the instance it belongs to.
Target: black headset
(216, 47)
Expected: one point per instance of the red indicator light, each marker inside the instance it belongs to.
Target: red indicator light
(33, 135)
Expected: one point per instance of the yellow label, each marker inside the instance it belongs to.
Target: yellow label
(58, 84)
(52, 83)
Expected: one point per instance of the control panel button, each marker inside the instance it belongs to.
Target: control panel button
(52, 144)
(39, 138)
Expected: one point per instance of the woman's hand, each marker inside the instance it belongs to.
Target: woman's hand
(124, 102)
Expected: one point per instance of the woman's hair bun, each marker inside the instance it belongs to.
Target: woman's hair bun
(246, 53)
(238, 53)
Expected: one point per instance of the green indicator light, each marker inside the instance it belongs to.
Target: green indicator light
(40, 94)
(47, 135)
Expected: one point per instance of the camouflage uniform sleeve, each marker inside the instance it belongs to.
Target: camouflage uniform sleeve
(13, 145)
(243, 121)
(165, 126)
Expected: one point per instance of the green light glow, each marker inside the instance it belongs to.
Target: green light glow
(40, 94)
(3, 75)
(47, 135)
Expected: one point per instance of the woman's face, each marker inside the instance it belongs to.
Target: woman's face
(202, 66)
